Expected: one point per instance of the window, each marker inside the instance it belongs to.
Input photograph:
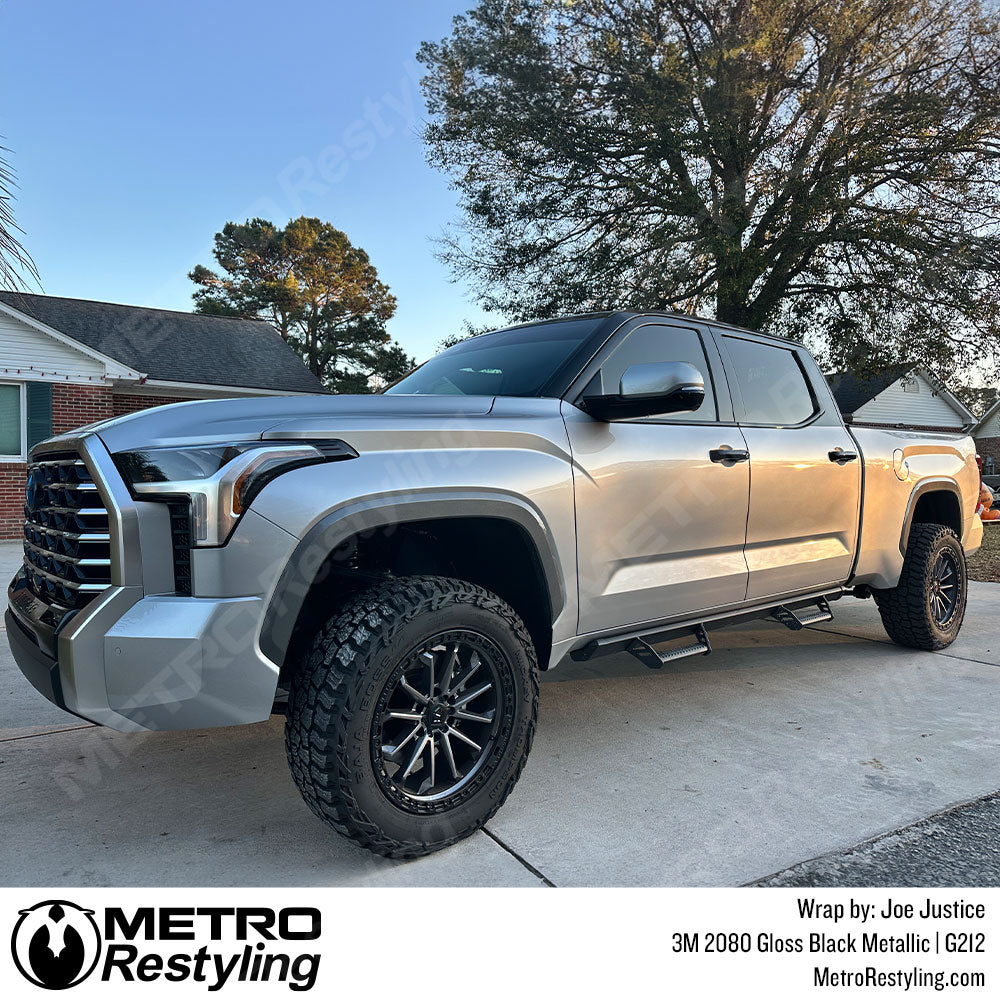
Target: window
(11, 421)
(773, 385)
(25, 417)
(910, 384)
(517, 362)
(656, 343)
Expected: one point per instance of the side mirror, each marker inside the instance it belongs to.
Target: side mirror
(649, 390)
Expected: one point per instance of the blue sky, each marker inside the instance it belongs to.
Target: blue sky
(138, 129)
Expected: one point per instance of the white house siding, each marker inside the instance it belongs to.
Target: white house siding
(41, 357)
(915, 409)
(990, 429)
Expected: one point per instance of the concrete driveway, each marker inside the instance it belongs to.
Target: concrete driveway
(778, 748)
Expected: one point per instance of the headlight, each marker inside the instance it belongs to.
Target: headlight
(220, 480)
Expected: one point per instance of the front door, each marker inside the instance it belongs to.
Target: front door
(805, 471)
(660, 524)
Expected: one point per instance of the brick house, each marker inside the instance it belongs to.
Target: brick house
(69, 362)
(900, 397)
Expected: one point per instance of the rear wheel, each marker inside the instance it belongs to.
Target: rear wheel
(926, 608)
(413, 714)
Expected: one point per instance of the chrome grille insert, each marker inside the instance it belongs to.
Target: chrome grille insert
(67, 536)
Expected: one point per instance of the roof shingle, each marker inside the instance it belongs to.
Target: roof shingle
(852, 391)
(175, 346)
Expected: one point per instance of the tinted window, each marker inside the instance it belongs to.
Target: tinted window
(516, 362)
(774, 387)
(649, 344)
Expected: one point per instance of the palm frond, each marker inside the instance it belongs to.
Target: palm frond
(15, 262)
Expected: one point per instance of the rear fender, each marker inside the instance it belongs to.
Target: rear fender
(953, 519)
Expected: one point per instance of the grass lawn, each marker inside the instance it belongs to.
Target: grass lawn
(985, 564)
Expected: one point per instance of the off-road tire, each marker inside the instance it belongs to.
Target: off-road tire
(335, 691)
(907, 609)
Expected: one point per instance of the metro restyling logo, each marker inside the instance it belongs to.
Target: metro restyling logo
(57, 944)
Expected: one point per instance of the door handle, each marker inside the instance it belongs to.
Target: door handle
(728, 455)
(842, 457)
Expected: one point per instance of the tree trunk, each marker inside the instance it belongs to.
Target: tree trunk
(731, 300)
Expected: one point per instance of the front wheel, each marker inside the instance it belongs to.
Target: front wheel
(926, 608)
(412, 716)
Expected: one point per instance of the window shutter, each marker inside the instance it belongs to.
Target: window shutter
(39, 412)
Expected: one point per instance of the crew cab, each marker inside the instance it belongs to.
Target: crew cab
(392, 571)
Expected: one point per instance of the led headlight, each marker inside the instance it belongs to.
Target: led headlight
(219, 480)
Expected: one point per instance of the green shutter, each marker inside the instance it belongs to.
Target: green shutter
(39, 412)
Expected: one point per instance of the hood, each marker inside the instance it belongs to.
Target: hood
(248, 419)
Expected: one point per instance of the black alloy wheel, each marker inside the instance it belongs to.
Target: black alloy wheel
(437, 718)
(944, 588)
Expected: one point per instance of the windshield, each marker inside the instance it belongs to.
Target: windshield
(517, 362)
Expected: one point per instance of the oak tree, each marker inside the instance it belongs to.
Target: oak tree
(808, 167)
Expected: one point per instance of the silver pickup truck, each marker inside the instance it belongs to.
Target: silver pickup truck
(392, 571)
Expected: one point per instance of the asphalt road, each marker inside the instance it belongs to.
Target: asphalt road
(957, 847)
(778, 749)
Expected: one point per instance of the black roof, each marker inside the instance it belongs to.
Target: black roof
(175, 346)
(852, 391)
(622, 315)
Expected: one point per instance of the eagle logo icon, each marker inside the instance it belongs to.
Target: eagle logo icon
(56, 944)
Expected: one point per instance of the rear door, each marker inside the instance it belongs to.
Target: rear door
(660, 524)
(805, 473)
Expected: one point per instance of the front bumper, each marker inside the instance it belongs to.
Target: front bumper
(37, 665)
(135, 659)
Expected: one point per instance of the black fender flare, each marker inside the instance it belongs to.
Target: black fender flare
(331, 530)
(921, 489)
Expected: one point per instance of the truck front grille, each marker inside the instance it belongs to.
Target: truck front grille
(180, 533)
(67, 535)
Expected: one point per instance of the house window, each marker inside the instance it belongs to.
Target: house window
(910, 384)
(25, 418)
(12, 421)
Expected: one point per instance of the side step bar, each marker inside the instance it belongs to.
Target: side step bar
(797, 614)
(643, 651)
(791, 620)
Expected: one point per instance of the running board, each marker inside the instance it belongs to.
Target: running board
(638, 642)
(644, 652)
(791, 620)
